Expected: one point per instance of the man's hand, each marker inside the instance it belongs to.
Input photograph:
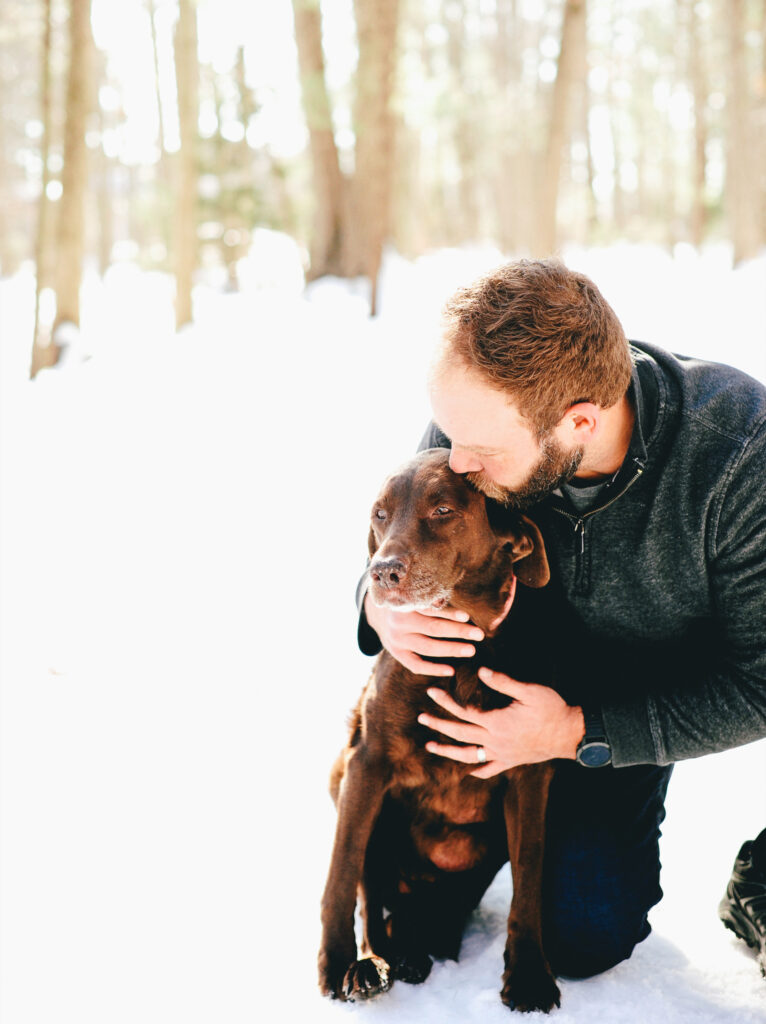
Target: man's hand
(437, 632)
(538, 726)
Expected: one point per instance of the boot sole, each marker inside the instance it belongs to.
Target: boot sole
(736, 921)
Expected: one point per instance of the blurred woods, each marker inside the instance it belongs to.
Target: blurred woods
(525, 123)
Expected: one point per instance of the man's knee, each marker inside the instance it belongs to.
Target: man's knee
(589, 948)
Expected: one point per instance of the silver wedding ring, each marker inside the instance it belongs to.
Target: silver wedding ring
(481, 755)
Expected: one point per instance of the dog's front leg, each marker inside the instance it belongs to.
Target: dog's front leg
(528, 982)
(360, 796)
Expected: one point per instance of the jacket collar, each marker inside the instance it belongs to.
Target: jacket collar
(644, 395)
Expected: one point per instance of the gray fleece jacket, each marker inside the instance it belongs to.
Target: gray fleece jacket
(659, 590)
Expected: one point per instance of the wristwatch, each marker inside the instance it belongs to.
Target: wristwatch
(594, 750)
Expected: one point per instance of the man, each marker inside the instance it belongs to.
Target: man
(646, 473)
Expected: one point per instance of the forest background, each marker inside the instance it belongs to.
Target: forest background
(166, 132)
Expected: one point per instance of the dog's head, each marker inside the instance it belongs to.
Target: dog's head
(432, 534)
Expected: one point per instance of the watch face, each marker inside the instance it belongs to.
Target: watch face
(594, 755)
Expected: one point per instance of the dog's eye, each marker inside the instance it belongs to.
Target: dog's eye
(442, 510)
(380, 513)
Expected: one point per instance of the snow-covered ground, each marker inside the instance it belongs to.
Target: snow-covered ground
(183, 522)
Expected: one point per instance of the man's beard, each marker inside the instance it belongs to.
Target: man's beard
(555, 467)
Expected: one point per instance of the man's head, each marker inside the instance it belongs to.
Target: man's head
(532, 356)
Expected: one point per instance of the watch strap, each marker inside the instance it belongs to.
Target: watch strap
(594, 723)
(594, 749)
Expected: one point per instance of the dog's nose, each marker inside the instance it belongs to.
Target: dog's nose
(388, 572)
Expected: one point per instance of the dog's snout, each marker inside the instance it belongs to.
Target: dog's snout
(388, 572)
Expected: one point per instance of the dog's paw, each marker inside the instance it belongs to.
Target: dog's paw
(366, 978)
(528, 983)
(527, 996)
(361, 979)
(412, 968)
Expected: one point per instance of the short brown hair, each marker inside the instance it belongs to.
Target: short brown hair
(543, 333)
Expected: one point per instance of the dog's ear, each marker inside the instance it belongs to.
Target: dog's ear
(531, 567)
(522, 537)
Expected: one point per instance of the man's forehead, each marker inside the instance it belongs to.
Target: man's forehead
(478, 418)
(461, 390)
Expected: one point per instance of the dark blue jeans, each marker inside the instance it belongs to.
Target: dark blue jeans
(602, 865)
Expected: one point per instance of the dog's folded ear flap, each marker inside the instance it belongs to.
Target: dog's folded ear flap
(524, 539)
(532, 568)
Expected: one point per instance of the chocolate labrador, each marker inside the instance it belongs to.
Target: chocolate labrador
(419, 839)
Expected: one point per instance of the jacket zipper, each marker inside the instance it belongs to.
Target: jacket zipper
(578, 523)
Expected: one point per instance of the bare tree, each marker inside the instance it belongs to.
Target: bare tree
(43, 351)
(742, 198)
(185, 207)
(152, 13)
(698, 84)
(570, 76)
(329, 246)
(377, 28)
(761, 117)
(70, 234)
(350, 231)
(506, 65)
(467, 135)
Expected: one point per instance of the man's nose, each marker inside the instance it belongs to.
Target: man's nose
(461, 461)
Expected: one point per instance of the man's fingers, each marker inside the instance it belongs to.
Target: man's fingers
(441, 627)
(445, 613)
(490, 769)
(439, 648)
(421, 667)
(503, 684)
(444, 700)
(455, 730)
(465, 754)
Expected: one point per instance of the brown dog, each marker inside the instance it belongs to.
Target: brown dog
(418, 838)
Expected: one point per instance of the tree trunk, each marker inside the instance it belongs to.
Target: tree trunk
(105, 200)
(569, 76)
(185, 211)
(74, 177)
(508, 197)
(465, 136)
(152, 12)
(164, 183)
(376, 26)
(616, 120)
(44, 352)
(697, 80)
(761, 107)
(103, 175)
(329, 245)
(742, 196)
(591, 216)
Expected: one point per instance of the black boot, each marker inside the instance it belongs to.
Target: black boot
(743, 908)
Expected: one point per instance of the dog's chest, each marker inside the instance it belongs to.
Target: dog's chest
(453, 818)
(436, 787)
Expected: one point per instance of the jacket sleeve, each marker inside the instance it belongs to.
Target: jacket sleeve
(366, 637)
(691, 709)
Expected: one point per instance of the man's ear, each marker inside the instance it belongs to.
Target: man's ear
(531, 564)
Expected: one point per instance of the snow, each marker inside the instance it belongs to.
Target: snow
(177, 581)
